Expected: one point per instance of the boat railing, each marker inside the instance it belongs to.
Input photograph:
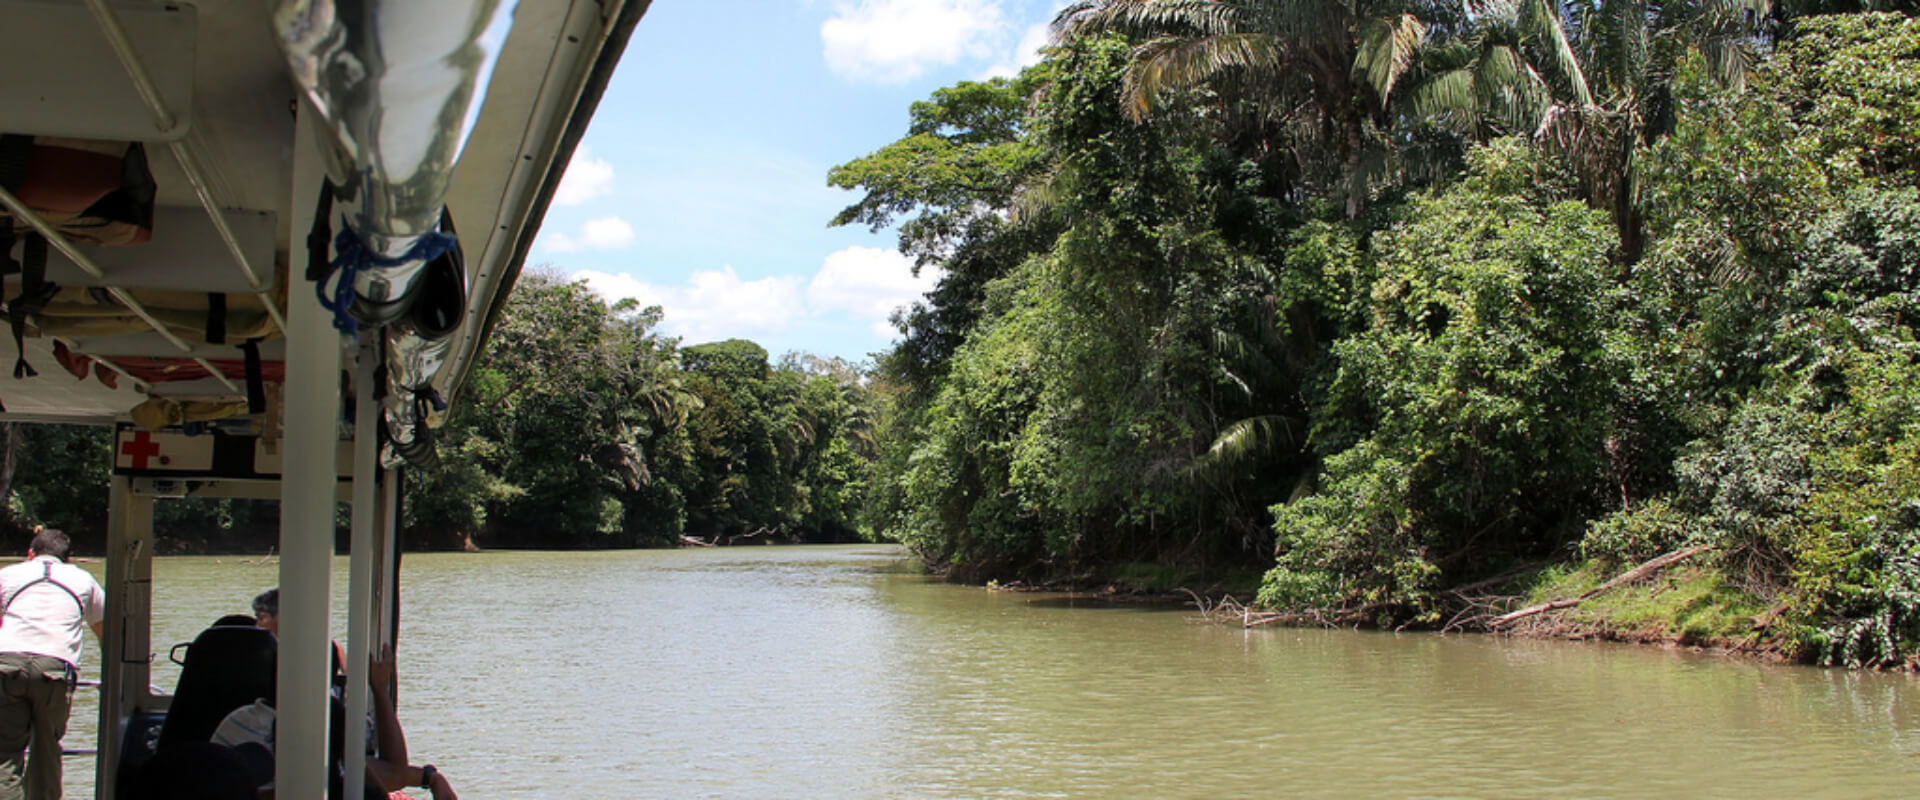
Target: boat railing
(86, 683)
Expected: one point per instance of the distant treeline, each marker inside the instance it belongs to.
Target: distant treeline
(584, 427)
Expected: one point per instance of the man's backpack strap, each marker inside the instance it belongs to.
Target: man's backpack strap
(46, 576)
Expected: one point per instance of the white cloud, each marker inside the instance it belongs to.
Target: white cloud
(605, 233)
(867, 282)
(713, 304)
(895, 41)
(586, 178)
(1025, 54)
(863, 285)
(619, 287)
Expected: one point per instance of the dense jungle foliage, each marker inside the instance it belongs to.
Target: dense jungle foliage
(1391, 298)
(1387, 300)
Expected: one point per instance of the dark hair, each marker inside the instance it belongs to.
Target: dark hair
(268, 602)
(51, 542)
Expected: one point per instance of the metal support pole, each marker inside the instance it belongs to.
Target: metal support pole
(363, 554)
(307, 489)
(126, 648)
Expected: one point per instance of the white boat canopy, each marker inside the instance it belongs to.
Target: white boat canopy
(206, 309)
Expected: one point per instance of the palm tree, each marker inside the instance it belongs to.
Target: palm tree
(1321, 69)
(1629, 52)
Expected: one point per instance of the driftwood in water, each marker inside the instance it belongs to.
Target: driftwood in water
(754, 535)
(1229, 610)
(723, 540)
(1638, 573)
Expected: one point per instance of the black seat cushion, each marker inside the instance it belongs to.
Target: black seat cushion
(227, 666)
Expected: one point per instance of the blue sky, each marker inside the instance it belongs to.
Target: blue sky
(701, 184)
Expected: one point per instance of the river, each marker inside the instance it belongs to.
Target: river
(836, 672)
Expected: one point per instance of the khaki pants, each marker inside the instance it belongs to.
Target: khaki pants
(36, 694)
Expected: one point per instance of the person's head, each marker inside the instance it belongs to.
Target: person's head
(50, 542)
(266, 610)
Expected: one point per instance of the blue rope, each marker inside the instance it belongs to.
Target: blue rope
(351, 257)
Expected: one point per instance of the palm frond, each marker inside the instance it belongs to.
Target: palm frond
(1540, 21)
(1171, 63)
(1386, 51)
(1447, 97)
(1248, 439)
(1507, 85)
(1144, 18)
(1040, 196)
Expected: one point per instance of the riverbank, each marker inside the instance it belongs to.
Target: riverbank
(1692, 607)
(1665, 602)
(1674, 602)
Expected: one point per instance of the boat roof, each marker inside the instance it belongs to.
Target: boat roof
(222, 136)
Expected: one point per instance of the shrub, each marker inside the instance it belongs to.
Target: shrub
(1355, 545)
(1633, 536)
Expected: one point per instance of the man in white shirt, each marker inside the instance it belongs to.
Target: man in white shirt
(44, 604)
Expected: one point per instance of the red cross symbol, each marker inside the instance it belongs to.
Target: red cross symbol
(140, 449)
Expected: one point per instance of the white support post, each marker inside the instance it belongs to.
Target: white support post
(307, 487)
(363, 551)
(388, 571)
(125, 669)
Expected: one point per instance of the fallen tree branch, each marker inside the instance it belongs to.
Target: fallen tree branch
(1636, 574)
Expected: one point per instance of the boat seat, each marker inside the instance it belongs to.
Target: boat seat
(226, 667)
(136, 747)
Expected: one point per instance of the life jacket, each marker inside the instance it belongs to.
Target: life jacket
(89, 191)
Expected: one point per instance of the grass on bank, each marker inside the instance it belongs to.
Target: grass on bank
(1690, 605)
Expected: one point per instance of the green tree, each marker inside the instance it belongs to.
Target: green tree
(953, 185)
(571, 415)
(1484, 384)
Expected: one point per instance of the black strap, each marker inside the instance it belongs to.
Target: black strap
(216, 318)
(256, 383)
(16, 150)
(320, 237)
(45, 577)
(8, 266)
(35, 291)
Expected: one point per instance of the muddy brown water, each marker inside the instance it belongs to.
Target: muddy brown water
(768, 672)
